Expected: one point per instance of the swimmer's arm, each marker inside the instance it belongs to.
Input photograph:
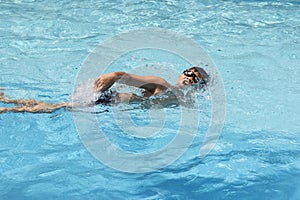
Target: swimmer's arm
(150, 83)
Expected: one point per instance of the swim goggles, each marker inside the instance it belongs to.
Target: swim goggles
(190, 73)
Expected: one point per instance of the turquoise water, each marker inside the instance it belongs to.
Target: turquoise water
(254, 44)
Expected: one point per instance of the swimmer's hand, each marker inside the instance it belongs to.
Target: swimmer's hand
(105, 81)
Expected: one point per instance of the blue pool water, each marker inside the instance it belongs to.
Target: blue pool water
(254, 44)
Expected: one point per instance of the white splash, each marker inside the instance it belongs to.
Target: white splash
(85, 93)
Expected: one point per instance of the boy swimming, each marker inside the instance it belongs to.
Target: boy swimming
(150, 86)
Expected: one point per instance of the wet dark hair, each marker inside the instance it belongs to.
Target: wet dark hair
(203, 75)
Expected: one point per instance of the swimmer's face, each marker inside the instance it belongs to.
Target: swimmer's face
(188, 77)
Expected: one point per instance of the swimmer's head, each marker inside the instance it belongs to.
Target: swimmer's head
(193, 76)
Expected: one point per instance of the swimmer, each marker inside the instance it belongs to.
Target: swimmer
(150, 85)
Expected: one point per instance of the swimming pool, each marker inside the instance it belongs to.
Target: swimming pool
(254, 44)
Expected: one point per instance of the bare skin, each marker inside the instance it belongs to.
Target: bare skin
(31, 105)
(151, 85)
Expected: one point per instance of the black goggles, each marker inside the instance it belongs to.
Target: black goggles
(189, 73)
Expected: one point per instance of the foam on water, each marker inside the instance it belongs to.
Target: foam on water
(85, 93)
